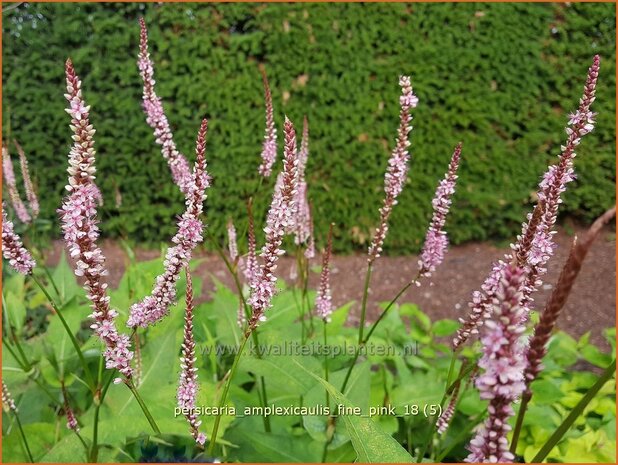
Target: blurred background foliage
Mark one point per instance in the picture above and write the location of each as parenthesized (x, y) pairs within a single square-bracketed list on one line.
[(502, 78)]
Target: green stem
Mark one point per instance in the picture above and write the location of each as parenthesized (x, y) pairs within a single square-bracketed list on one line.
[(520, 421), (23, 437), (326, 363), (69, 332), (51, 279), (576, 412), (98, 400), (361, 327), (141, 403), (223, 398), (254, 334)]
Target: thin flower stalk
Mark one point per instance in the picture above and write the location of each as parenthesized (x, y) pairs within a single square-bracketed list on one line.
[(33, 201), (72, 422), (13, 249), (78, 217), (155, 307), (436, 239), (501, 381), (323, 301), (310, 250), (156, 119), (279, 218), (188, 383), (11, 186), (535, 245), (397, 170), (269, 146)]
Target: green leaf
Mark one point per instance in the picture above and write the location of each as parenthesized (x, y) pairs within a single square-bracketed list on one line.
[(65, 281), (444, 327)]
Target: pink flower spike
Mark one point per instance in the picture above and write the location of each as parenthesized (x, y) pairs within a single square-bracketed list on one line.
[(503, 363), (13, 249), (280, 217), (8, 404), (188, 384), (323, 301), (269, 147), (156, 306), (33, 200), (156, 119), (250, 269), (78, 217), (397, 169), (436, 240), (231, 241), (11, 186)]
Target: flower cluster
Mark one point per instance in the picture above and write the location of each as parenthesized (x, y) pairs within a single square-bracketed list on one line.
[(502, 380), (535, 245), (187, 384), (445, 419), (13, 249), (303, 226), (79, 226), (269, 147), (280, 217), (72, 423), (436, 240), (7, 399), (156, 306), (323, 301), (33, 200), (397, 166), (156, 119), (11, 186)]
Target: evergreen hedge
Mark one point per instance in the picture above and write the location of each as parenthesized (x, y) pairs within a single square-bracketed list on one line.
[(499, 77)]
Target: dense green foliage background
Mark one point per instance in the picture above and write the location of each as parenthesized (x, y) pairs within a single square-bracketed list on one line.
[(499, 77)]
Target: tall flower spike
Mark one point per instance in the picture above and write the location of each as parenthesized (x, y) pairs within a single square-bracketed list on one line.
[(535, 245), (323, 301), (502, 363), (156, 306), (310, 251), (13, 249), (269, 147), (188, 384), (251, 264), (231, 240), (544, 328), (302, 226), (280, 216), (397, 169), (436, 240), (11, 186), (33, 200), (78, 217), (156, 119), (8, 404)]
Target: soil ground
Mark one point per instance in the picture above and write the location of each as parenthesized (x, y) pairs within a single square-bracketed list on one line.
[(590, 307)]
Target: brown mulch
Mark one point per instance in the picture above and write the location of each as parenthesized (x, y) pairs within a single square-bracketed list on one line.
[(591, 306)]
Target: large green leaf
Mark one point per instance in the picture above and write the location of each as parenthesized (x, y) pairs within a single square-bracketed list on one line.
[(41, 438), (65, 281), (371, 443)]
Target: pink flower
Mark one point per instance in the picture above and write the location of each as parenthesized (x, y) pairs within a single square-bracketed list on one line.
[(13, 249), (79, 226), (303, 226), (323, 301), (445, 419), (280, 218), (156, 306), (503, 362), (436, 240), (11, 186), (251, 267), (188, 384), (269, 148), (397, 170), (156, 119), (231, 240)]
